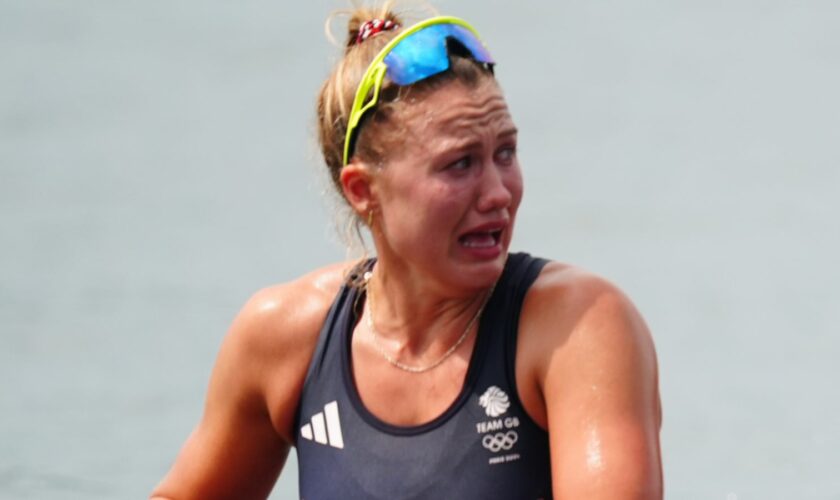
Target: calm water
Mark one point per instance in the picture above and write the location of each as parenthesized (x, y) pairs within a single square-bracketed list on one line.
[(157, 166)]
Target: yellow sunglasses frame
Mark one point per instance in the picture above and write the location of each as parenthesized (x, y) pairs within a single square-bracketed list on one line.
[(375, 75)]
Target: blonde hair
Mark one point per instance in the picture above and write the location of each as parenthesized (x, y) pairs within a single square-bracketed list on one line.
[(378, 132)]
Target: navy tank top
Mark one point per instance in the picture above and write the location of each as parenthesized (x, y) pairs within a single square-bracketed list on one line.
[(484, 446)]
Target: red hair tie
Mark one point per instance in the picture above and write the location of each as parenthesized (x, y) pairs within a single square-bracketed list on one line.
[(373, 28)]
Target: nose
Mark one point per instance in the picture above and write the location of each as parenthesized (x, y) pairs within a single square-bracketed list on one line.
[(495, 193)]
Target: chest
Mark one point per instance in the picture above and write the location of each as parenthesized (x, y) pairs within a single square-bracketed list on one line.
[(405, 398), (366, 429), (477, 443), (481, 445)]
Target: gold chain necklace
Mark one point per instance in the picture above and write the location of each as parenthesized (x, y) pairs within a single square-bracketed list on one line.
[(410, 368)]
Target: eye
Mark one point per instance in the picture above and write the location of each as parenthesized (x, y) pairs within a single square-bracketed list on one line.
[(506, 154), (460, 165)]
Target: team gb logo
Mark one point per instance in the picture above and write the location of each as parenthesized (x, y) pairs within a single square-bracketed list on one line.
[(494, 401)]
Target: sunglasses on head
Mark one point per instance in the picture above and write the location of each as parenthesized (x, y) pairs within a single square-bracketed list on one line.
[(417, 53)]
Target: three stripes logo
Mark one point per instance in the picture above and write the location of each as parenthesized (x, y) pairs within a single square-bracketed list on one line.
[(325, 427)]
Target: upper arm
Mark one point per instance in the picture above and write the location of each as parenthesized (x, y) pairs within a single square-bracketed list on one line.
[(240, 444), (601, 395)]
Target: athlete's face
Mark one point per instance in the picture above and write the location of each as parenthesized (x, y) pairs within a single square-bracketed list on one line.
[(448, 192)]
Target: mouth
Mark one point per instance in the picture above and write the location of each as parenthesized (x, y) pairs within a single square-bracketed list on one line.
[(484, 236), (481, 239)]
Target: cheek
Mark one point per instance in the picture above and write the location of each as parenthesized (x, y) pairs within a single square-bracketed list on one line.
[(515, 186), (437, 206), (424, 209)]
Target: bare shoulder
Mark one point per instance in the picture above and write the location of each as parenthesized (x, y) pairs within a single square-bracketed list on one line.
[(577, 310), (581, 331), (289, 315), (593, 363), (244, 435), (270, 343)]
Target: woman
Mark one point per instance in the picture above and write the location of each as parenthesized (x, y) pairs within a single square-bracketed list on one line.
[(446, 367)]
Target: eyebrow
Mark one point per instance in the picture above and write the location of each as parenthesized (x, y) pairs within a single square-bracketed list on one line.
[(455, 143), (508, 131)]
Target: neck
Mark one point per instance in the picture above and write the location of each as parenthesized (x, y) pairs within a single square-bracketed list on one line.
[(416, 317)]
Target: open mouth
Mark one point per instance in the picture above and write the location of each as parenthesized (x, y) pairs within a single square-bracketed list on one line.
[(481, 239)]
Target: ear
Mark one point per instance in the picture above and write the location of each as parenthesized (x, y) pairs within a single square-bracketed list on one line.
[(357, 184)]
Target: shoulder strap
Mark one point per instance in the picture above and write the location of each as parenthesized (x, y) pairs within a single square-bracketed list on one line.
[(524, 271)]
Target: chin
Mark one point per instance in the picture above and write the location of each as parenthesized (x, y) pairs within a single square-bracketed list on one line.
[(482, 270)]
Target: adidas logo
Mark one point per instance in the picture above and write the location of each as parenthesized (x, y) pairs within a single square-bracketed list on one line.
[(325, 427)]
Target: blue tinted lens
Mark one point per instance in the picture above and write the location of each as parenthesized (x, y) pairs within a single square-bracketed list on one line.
[(424, 53), (473, 44)]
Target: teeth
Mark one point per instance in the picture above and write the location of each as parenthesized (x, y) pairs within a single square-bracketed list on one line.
[(472, 244), (479, 240)]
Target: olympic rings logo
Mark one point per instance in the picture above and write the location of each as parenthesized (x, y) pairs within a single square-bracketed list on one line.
[(500, 441)]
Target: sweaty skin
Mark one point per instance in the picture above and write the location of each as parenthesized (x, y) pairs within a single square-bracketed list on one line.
[(585, 363)]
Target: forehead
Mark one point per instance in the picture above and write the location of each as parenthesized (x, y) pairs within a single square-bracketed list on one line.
[(455, 110)]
